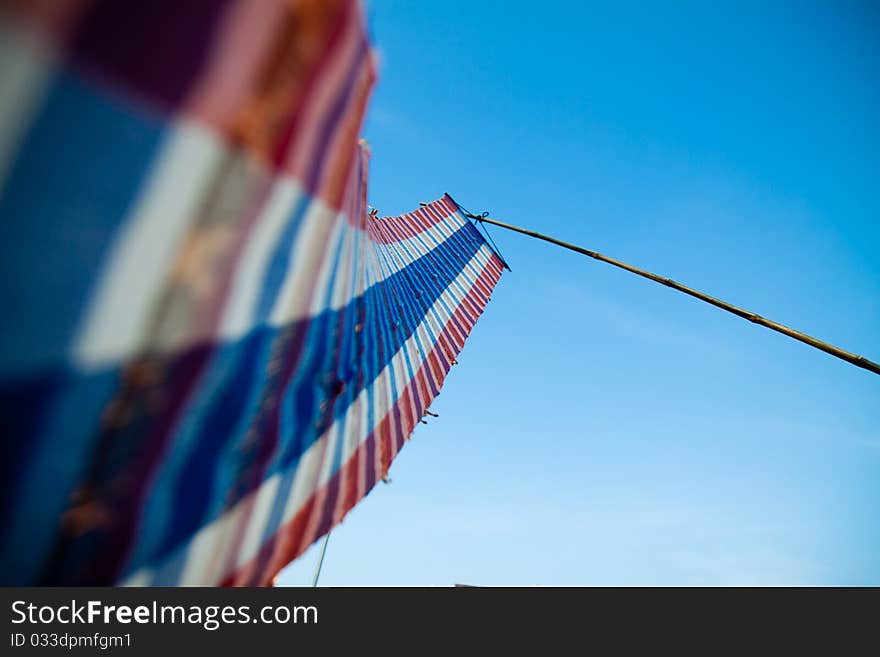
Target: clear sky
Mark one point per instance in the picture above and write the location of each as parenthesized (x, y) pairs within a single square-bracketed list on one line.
[(601, 429)]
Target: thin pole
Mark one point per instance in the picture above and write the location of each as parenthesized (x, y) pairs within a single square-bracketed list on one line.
[(320, 560), (858, 361)]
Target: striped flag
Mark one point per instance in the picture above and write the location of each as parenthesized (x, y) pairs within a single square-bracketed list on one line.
[(210, 350)]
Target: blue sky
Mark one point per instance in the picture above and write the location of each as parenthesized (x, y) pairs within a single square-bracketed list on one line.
[(601, 429)]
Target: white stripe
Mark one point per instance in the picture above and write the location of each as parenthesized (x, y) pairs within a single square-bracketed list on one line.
[(325, 233), (144, 251), (315, 244), (239, 315), (113, 324), (313, 470), (26, 65), (258, 519), (141, 578), (213, 549), (341, 294)]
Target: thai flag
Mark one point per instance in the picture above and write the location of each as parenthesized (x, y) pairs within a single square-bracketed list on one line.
[(210, 350)]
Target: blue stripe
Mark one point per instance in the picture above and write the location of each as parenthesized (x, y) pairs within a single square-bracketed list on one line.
[(59, 456), (76, 176), (69, 190)]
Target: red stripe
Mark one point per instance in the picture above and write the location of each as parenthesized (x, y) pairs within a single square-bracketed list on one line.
[(333, 75), (404, 226), (331, 182), (289, 135), (56, 21)]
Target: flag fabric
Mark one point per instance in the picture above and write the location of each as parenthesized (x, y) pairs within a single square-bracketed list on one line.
[(210, 350)]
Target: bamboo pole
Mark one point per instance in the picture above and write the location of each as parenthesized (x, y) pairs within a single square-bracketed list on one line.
[(858, 361)]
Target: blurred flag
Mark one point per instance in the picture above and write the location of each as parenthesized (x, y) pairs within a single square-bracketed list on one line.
[(210, 351)]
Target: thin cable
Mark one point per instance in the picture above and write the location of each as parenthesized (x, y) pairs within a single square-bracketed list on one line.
[(320, 560), (495, 248), (858, 361)]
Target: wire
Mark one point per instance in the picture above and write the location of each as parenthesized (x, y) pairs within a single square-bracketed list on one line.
[(495, 248), (320, 560)]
